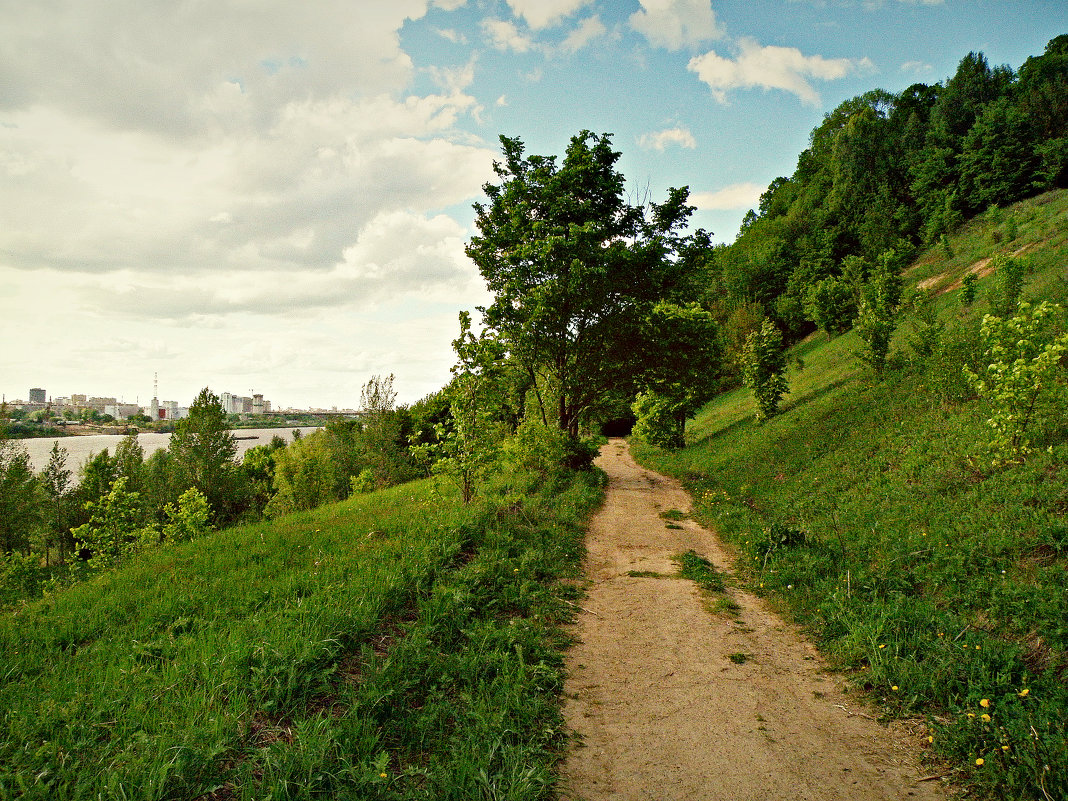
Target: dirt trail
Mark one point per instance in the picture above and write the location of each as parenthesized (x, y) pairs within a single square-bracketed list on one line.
[(665, 714)]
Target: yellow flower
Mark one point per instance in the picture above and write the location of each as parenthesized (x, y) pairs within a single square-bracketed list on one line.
[(894, 688), (1004, 748), (883, 645), (1023, 693), (930, 738), (381, 775), (971, 714), (985, 718), (979, 762), (984, 703), (515, 570)]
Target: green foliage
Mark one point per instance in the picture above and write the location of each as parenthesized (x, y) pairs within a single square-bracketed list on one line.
[(306, 475), (203, 449), (114, 529), (188, 520), (764, 371), (1008, 285), (536, 447), (878, 314), (20, 508), (21, 575), (1023, 380), (658, 420), (574, 269), (968, 289), (682, 362), (830, 304), (362, 483)]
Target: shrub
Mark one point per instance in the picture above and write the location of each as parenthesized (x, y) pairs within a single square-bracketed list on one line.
[(830, 304), (764, 367), (1023, 379), (189, 519)]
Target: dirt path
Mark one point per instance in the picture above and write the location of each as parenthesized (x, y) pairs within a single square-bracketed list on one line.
[(665, 714)]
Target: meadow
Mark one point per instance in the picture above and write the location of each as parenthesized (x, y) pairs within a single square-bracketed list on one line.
[(871, 512), (396, 645)]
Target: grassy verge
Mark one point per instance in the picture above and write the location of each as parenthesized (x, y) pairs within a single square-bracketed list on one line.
[(869, 511), (398, 645)]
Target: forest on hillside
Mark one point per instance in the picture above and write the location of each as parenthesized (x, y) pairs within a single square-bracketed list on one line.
[(888, 171)]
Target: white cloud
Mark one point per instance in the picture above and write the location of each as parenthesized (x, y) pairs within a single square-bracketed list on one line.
[(504, 35), (674, 24), (735, 196), (544, 13), (670, 136), (589, 29), (451, 35), (916, 67), (771, 67)]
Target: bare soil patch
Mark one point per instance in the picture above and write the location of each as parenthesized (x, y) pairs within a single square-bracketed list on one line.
[(672, 701)]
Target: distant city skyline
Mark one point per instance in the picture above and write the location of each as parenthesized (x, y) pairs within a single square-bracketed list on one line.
[(277, 195)]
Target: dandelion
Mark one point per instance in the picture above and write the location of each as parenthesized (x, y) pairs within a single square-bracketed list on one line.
[(984, 703), (894, 688), (980, 762), (930, 738), (1023, 693), (381, 775), (882, 645), (985, 718), (971, 714), (1004, 748), (515, 570)]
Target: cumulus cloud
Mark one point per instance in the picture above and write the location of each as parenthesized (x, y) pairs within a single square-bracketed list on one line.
[(587, 31), (674, 24), (735, 196), (544, 13), (504, 35), (659, 140), (771, 67)]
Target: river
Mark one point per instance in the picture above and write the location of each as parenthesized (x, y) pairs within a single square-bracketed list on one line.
[(79, 449)]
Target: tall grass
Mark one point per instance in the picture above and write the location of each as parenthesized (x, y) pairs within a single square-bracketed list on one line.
[(397, 645), (869, 511)]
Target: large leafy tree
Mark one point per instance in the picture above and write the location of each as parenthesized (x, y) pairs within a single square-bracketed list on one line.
[(203, 450), (573, 267)]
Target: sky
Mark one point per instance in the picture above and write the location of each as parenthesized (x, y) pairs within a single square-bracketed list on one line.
[(275, 196)]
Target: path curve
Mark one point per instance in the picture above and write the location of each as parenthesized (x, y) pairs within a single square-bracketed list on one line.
[(661, 710)]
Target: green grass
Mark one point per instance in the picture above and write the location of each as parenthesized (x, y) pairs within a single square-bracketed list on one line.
[(870, 512), (397, 645)]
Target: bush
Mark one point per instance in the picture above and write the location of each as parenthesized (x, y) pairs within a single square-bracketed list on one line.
[(659, 421), (762, 372), (830, 304), (1023, 379)]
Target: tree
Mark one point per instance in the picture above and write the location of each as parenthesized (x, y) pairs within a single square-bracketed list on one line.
[(204, 449), (878, 314), (764, 368), (20, 510), (573, 268), (55, 480), (682, 354)]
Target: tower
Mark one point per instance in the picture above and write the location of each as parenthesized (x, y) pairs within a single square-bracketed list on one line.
[(153, 410)]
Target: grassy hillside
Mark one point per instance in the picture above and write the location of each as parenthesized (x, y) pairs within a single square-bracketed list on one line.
[(398, 645), (872, 512)]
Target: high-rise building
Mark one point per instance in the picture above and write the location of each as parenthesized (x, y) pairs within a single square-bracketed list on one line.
[(38, 395)]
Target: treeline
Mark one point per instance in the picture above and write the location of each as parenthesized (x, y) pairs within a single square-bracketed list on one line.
[(889, 172), (65, 521)]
